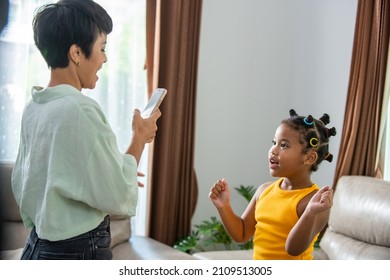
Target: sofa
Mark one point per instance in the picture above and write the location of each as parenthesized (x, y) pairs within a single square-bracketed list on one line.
[(359, 222), (358, 226), (125, 246)]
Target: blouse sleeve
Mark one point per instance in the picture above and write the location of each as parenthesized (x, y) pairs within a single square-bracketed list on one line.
[(110, 177), (111, 181)]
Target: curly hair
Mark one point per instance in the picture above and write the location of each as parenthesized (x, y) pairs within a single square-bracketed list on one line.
[(314, 134)]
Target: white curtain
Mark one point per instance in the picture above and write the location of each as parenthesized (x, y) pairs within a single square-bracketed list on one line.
[(383, 156)]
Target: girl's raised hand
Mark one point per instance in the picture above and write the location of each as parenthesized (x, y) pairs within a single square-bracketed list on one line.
[(220, 193), (321, 201)]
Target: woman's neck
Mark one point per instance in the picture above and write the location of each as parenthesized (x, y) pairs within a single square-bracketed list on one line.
[(60, 76)]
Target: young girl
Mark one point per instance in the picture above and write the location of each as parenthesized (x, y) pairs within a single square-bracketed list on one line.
[(286, 216)]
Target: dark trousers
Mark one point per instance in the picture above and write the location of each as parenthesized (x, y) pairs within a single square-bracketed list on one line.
[(92, 245)]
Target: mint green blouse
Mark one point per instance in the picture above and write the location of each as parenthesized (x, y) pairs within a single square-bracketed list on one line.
[(69, 173)]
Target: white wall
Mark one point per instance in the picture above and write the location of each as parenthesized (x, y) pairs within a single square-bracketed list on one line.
[(258, 59)]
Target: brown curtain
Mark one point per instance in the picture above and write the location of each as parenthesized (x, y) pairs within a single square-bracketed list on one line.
[(359, 140), (173, 29)]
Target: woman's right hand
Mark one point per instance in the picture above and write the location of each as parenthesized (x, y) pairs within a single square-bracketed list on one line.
[(145, 129), (220, 194)]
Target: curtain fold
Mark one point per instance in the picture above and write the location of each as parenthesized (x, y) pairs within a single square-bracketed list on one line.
[(173, 29), (362, 118)]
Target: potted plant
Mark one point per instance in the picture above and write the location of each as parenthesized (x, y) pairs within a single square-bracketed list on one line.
[(211, 234)]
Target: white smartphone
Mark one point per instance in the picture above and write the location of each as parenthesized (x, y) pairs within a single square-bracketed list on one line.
[(154, 102)]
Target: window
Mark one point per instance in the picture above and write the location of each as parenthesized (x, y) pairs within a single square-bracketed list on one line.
[(122, 81), (383, 155), (386, 138)]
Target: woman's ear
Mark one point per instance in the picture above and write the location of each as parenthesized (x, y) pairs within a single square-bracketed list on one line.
[(311, 157), (75, 54)]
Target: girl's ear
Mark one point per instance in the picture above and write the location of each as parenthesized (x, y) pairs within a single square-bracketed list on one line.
[(311, 157), (75, 54)]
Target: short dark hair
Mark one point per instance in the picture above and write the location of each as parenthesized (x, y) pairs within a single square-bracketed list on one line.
[(313, 134), (60, 25), (4, 8)]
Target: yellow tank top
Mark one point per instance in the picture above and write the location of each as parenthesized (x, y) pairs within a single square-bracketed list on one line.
[(276, 214)]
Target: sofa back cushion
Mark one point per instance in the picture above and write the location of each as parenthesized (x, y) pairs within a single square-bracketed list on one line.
[(13, 234), (359, 222), (9, 207), (120, 229)]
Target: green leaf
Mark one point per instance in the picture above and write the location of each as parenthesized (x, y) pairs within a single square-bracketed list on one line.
[(246, 191), (189, 244), (210, 233)]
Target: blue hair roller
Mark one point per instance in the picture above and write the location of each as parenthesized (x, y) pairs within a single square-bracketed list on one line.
[(307, 121)]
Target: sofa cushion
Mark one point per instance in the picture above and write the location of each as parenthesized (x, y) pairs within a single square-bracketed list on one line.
[(319, 254), (359, 223), (225, 255), (11, 254), (146, 248), (341, 247), (9, 207), (361, 209), (14, 235), (120, 229)]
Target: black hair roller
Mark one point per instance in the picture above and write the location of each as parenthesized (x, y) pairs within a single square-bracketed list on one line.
[(293, 113), (325, 119)]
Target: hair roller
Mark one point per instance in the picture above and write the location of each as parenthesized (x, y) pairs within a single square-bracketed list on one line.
[(309, 120), (328, 157), (293, 113), (332, 131), (325, 119)]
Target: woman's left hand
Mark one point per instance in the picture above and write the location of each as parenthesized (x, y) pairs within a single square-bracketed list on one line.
[(140, 174)]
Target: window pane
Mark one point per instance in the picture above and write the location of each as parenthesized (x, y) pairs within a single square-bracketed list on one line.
[(21, 66)]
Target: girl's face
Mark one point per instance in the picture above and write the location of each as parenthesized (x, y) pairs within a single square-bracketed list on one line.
[(89, 67), (286, 156)]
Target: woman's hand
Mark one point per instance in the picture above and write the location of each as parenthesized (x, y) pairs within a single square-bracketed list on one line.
[(145, 129), (140, 174)]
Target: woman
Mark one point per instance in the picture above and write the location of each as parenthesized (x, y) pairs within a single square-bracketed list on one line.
[(69, 174)]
